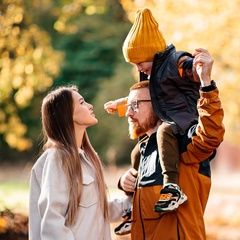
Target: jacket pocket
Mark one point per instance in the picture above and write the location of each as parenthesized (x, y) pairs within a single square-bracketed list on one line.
[(89, 193), (144, 201)]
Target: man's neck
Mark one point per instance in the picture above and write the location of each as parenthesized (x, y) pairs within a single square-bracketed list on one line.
[(154, 129)]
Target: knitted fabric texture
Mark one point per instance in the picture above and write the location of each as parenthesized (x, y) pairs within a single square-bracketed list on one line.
[(144, 39)]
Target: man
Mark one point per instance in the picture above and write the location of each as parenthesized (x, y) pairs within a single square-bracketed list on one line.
[(197, 147)]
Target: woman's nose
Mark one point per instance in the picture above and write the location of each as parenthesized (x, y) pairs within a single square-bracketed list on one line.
[(90, 106)]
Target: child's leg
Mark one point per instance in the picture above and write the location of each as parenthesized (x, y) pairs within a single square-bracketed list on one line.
[(168, 153), (171, 195)]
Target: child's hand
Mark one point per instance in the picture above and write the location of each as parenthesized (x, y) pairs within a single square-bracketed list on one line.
[(111, 107), (116, 106)]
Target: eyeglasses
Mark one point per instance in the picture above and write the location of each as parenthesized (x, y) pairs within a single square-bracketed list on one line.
[(134, 105)]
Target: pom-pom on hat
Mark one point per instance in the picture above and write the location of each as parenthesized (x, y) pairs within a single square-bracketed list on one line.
[(144, 39)]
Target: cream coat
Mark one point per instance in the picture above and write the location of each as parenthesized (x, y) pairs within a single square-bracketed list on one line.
[(49, 200)]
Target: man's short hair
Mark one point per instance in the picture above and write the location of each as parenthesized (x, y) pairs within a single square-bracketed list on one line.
[(141, 84)]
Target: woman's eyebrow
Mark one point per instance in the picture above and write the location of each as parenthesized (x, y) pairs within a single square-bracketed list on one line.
[(81, 99)]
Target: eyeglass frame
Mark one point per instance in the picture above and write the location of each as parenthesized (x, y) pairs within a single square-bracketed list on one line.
[(136, 107)]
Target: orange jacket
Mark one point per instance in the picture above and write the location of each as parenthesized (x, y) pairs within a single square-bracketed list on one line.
[(197, 147)]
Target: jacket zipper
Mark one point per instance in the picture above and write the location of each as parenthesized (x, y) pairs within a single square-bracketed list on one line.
[(140, 212)]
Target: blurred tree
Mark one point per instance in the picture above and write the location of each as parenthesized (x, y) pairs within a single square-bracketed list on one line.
[(89, 34), (91, 47), (110, 135), (81, 30), (28, 64), (92, 50), (90, 54)]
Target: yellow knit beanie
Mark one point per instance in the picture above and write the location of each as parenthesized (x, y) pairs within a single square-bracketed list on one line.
[(144, 39)]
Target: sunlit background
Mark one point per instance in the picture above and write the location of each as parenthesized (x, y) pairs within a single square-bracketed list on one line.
[(47, 43)]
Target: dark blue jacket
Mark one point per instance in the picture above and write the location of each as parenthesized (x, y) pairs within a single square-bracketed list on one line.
[(174, 97)]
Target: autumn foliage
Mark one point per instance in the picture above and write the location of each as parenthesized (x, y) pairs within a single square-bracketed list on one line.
[(49, 42), (13, 226)]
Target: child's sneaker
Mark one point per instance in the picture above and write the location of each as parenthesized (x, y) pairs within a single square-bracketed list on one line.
[(125, 227), (171, 196)]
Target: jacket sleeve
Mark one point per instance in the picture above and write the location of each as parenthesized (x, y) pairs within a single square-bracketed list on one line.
[(209, 130), (117, 208), (120, 106)]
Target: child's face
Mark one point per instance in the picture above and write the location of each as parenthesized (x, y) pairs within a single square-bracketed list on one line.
[(144, 67)]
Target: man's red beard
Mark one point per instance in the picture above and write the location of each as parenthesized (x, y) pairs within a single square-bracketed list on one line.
[(136, 131)]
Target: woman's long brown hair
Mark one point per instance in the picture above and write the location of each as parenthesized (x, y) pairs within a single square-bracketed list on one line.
[(58, 130)]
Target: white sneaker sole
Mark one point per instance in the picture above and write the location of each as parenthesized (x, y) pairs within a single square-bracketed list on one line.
[(176, 205)]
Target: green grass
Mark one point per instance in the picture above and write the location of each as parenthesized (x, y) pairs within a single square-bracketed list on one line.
[(14, 196)]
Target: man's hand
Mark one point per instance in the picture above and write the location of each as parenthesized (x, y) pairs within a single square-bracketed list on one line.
[(128, 180), (203, 63)]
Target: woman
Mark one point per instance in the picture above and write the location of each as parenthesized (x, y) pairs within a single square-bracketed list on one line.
[(68, 197)]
